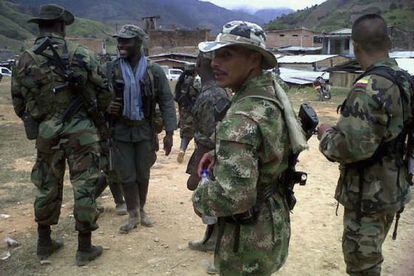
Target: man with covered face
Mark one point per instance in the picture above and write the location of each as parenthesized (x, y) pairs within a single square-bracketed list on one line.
[(253, 142), (140, 86)]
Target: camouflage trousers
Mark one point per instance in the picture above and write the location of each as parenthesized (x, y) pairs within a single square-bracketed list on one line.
[(81, 151), (262, 246), (185, 123), (362, 242)]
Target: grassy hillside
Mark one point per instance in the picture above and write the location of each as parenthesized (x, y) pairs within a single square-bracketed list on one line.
[(335, 14), (14, 29), (178, 13)]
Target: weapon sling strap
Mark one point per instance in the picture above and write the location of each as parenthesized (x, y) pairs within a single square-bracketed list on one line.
[(70, 53)]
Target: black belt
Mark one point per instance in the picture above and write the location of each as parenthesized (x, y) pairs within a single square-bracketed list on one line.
[(250, 216), (131, 123)]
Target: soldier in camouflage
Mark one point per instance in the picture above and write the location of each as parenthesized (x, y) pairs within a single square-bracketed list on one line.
[(368, 143), (186, 91), (60, 137), (209, 108), (143, 86), (253, 142)]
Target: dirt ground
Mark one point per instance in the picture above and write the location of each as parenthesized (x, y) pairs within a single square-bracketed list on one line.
[(162, 250)]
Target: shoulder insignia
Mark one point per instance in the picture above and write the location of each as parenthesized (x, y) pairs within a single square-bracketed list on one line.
[(361, 85)]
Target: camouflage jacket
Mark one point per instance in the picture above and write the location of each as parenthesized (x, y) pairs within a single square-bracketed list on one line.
[(158, 95), (34, 79), (371, 115), (252, 148), (187, 92), (206, 111)]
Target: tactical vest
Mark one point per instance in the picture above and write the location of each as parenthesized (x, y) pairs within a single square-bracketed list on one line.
[(148, 87), (42, 102)]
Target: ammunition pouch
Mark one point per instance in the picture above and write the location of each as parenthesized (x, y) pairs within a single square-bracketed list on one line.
[(31, 126)]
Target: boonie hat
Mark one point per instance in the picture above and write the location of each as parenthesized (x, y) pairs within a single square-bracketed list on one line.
[(53, 12), (130, 31), (245, 34)]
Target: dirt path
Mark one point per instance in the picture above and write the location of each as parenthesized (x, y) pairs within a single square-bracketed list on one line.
[(162, 250)]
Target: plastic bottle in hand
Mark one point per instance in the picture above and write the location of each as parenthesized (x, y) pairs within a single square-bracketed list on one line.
[(209, 220)]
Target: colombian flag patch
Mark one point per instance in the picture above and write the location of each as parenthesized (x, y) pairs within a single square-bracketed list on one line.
[(362, 83)]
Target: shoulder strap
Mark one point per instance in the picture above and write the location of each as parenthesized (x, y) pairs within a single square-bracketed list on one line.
[(35, 57), (37, 60), (151, 77), (264, 96)]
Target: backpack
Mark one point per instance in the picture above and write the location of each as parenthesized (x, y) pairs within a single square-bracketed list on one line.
[(401, 78)]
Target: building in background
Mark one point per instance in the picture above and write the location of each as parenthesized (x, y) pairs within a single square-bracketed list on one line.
[(337, 43), (300, 37)]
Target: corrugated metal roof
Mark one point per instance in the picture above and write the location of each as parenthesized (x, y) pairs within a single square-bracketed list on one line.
[(342, 31), (304, 58), (298, 48), (402, 54), (174, 54), (406, 64), (300, 77), (172, 60)]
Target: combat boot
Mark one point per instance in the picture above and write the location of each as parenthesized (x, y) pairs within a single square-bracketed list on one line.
[(180, 156), (208, 243), (121, 209), (145, 219), (211, 269), (131, 223), (45, 245), (86, 251)]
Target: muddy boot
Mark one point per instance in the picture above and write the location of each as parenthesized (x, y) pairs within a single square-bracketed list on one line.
[(183, 147), (45, 245), (86, 251), (180, 156), (131, 223), (131, 195), (208, 243), (121, 209), (145, 219), (211, 269)]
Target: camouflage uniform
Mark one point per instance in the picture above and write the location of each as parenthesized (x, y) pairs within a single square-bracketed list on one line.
[(252, 147), (75, 140), (205, 113), (190, 89), (372, 192)]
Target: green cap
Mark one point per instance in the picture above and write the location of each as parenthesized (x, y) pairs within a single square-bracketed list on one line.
[(131, 31), (52, 12)]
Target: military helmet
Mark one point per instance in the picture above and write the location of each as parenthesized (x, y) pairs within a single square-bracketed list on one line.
[(53, 12), (245, 34)]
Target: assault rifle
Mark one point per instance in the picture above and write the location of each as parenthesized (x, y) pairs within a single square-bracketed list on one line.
[(309, 121), (71, 80), (75, 82)]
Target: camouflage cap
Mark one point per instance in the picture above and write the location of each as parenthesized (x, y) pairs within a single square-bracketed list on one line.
[(243, 33), (52, 12), (131, 31)]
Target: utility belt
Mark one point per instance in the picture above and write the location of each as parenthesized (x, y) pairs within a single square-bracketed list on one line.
[(131, 123), (251, 215)]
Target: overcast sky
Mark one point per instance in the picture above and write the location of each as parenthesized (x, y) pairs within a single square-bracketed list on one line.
[(260, 4)]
